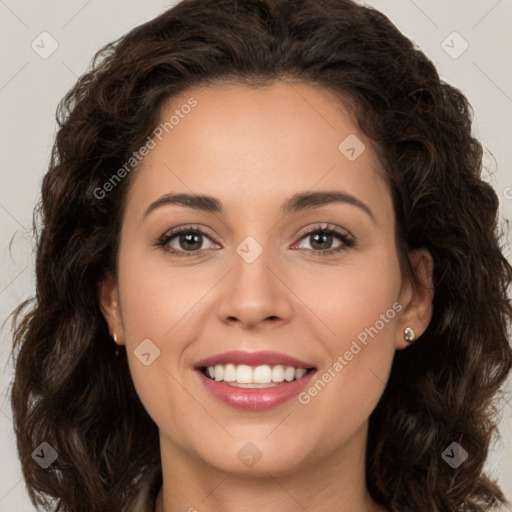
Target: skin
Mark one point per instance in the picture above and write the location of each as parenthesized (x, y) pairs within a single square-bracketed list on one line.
[(252, 149)]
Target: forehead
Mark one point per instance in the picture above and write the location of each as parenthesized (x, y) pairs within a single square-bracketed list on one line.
[(253, 145)]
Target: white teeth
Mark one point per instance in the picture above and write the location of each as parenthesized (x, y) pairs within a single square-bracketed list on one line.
[(243, 374), (259, 376), (219, 372), (278, 373), (236, 384), (262, 374), (229, 373), (300, 372), (289, 374)]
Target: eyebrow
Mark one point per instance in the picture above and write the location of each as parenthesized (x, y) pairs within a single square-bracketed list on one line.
[(297, 202)]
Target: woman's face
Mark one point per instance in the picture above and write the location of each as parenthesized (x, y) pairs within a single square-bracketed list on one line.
[(262, 277)]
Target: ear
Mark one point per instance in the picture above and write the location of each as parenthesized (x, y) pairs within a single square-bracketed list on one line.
[(416, 297), (108, 297)]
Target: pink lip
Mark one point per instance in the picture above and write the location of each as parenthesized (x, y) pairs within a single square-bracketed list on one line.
[(253, 359), (255, 399)]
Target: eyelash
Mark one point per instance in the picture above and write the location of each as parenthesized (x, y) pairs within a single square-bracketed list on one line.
[(348, 242)]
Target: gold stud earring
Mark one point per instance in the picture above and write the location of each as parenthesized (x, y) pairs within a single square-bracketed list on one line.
[(409, 335), (117, 350)]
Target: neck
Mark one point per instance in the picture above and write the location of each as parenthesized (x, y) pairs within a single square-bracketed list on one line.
[(335, 482)]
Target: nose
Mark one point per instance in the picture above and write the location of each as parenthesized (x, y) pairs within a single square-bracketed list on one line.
[(255, 294)]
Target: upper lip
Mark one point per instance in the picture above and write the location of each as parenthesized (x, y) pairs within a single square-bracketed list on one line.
[(253, 359)]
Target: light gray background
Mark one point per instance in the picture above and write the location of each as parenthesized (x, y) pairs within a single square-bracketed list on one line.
[(30, 88)]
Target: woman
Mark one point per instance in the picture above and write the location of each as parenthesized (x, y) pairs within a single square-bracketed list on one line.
[(186, 351)]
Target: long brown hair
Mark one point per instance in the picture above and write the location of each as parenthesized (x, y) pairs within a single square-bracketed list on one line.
[(71, 391)]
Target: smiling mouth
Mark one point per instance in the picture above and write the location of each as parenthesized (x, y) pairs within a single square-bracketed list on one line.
[(261, 376)]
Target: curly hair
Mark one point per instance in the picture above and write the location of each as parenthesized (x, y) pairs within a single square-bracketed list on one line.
[(70, 389)]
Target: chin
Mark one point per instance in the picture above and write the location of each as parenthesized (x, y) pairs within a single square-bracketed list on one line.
[(256, 457)]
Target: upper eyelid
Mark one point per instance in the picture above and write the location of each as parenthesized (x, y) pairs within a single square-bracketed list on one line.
[(328, 227)]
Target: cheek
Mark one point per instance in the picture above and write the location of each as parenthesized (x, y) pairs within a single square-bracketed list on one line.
[(154, 307), (367, 306), (359, 305), (155, 297), (356, 299)]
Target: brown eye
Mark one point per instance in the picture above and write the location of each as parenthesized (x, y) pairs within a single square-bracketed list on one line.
[(183, 240), (321, 239)]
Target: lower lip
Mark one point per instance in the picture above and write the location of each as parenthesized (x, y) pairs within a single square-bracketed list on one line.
[(255, 399)]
